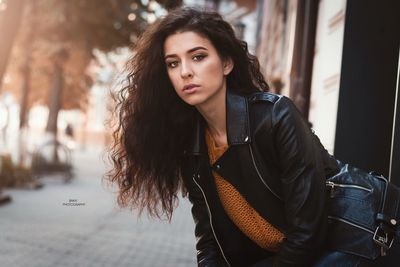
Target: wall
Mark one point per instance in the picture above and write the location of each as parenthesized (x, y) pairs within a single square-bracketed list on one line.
[(327, 70)]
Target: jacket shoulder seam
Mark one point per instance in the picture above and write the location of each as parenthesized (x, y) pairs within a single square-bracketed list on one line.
[(264, 97)]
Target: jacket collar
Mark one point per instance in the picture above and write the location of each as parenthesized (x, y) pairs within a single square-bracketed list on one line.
[(237, 124)]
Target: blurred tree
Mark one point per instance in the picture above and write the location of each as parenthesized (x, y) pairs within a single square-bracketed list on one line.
[(25, 65), (10, 18), (54, 47), (25, 72), (170, 4), (78, 26)]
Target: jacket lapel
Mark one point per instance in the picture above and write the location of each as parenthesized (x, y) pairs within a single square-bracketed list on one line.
[(237, 124), (237, 119)]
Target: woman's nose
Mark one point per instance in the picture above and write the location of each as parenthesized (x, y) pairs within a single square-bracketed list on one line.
[(186, 70)]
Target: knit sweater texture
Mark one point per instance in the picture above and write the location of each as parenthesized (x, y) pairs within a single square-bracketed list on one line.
[(244, 216)]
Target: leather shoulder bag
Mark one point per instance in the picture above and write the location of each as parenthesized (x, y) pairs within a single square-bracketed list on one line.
[(363, 212)]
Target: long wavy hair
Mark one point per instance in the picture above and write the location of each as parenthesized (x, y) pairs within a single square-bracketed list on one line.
[(154, 125)]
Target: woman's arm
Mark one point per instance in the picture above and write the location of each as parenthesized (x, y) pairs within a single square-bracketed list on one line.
[(303, 180)]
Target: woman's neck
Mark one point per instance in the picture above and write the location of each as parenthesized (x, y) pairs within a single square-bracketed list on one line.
[(215, 116)]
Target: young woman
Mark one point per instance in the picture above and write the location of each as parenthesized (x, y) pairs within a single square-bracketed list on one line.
[(195, 118)]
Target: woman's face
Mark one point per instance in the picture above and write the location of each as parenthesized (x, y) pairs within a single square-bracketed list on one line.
[(195, 69)]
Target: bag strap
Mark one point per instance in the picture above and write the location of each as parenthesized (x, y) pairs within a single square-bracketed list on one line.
[(387, 217)]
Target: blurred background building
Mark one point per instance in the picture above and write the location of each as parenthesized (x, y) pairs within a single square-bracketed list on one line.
[(339, 62)]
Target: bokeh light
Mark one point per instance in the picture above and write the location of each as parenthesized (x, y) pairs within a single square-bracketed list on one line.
[(131, 17), (3, 6)]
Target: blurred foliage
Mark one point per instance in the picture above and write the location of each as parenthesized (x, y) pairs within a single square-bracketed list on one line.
[(12, 175), (76, 27)]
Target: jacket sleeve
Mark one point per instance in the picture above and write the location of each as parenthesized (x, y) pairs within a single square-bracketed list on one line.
[(208, 253), (303, 181)]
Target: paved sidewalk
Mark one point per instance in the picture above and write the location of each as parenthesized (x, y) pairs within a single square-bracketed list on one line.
[(78, 224)]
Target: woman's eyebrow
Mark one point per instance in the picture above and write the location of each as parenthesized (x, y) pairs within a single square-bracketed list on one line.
[(196, 48), (189, 51)]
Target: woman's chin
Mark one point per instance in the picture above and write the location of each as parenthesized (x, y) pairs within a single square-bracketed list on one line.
[(193, 101)]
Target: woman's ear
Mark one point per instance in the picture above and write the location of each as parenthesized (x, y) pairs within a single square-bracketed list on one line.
[(228, 66)]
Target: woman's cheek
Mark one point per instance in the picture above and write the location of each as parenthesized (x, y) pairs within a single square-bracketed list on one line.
[(214, 70)]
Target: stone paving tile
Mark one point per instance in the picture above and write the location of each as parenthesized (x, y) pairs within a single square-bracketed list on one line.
[(37, 230)]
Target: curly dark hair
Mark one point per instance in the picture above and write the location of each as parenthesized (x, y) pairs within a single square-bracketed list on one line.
[(154, 124)]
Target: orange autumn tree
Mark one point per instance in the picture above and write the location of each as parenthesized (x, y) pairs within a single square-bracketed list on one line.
[(54, 48)]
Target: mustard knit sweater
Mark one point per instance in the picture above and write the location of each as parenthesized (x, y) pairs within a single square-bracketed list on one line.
[(245, 217)]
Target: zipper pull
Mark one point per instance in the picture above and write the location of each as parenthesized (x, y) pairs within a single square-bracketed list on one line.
[(383, 252), (332, 186), (196, 176)]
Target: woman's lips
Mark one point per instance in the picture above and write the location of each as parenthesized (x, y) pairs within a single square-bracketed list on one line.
[(190, 88)]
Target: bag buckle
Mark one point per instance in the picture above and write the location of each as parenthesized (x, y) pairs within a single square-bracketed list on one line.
[(383, 238)]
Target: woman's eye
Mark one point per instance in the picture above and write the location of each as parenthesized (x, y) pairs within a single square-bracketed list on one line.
[(172, 64), (198, 57)]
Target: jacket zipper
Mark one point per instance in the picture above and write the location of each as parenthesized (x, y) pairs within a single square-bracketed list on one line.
[(209, 213), (332, 185), (259, 174), (352, 224)]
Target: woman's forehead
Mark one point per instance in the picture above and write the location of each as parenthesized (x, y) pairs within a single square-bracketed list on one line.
[(184, 42)]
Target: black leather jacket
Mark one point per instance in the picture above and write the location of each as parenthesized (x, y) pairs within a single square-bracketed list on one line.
[(278, 165)]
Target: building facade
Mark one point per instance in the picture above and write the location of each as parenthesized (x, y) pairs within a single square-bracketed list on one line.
[(339, 62)]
